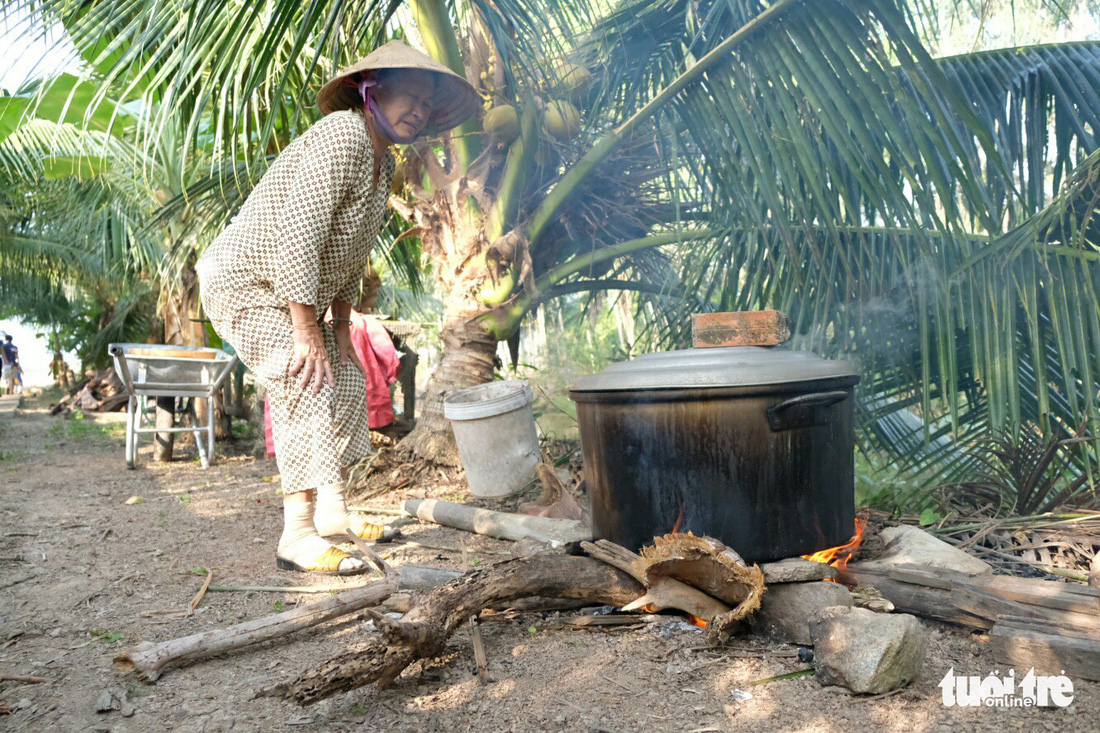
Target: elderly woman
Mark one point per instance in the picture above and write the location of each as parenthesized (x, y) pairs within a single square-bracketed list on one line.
[(297, 249)]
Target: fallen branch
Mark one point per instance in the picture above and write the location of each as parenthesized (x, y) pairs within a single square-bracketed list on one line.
[(502, 525), (481, 659), (271, 589), (24, 680), (379, 510), (448, 548), (149, 659), (202, 592), (423, 632)]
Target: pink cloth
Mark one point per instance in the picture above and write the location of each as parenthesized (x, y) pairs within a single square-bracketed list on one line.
[(376, 352), (379, 358), (269, 435)]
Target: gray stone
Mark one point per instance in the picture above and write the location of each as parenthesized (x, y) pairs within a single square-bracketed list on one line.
[(796, 570), (867, 652), (906, 545), (786, 609), (106, 702)]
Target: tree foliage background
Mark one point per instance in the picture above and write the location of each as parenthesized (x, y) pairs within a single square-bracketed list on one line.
[(928, 215)]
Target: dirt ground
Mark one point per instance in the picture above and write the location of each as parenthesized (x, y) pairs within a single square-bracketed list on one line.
[(82, 574)]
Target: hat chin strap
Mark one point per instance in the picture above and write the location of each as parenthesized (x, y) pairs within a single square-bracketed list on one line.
[(380, 120)]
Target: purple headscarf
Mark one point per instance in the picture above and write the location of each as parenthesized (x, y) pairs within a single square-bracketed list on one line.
[(379, 118)]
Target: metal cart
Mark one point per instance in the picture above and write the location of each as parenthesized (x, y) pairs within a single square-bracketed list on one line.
[(164, 370)]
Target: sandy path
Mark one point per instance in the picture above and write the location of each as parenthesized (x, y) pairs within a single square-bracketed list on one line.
[(81, 569)]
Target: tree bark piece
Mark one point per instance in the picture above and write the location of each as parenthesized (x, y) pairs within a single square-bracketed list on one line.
[(423, 632), (740, 328), (502, 525), (664, 592), (555, 502), (423, 577)]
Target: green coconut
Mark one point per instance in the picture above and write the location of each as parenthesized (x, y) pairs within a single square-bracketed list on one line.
[(562, 119), (502, 122), (574, 81)]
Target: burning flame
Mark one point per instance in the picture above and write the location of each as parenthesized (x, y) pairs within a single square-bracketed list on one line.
[(838, 557), (679, 519), (696, 621)]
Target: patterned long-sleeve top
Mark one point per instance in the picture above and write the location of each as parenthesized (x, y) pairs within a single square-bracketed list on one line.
[(306, 230)]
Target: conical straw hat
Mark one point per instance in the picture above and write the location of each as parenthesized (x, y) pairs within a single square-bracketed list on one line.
[(455, 99)]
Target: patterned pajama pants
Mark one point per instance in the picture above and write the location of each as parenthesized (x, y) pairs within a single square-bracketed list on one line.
[(315, 434)]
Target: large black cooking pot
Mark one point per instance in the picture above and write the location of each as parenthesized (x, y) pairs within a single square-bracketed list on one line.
[(750, 445)]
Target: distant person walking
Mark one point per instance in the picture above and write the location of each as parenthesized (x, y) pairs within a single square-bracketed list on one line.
[(11, 376)]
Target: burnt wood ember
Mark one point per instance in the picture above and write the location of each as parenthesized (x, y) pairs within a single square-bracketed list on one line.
[(697, 575)]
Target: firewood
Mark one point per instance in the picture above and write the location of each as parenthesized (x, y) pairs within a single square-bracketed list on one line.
[(977, 601), (665, 592), (555, 502), (421, 577), (422, 633), (1046, 593), (611, 619), (501, 525), (113, 403), (1052, 625), (1035, 592), (1036, 646), (920, 600), (982, 602), (698, 575), (481, 659), (150, 659), (741, 328)]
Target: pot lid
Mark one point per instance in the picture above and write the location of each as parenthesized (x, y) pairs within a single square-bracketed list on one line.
[(730, 366)]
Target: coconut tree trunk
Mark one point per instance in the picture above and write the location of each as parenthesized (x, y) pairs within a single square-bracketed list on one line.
[(180, 312), (469, 356)]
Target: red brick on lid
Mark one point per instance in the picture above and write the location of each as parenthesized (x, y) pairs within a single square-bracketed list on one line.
[(740, 328)]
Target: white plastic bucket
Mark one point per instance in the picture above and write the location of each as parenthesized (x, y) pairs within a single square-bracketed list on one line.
[(494, 427)]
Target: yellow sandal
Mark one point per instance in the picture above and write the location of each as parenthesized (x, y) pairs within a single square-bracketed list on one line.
[(373, 533), (328, 563)]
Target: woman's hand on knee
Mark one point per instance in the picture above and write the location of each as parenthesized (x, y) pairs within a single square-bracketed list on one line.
[(310, 361)]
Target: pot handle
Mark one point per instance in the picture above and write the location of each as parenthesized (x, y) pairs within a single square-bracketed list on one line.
[(801, 411)]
